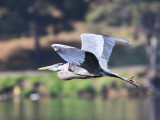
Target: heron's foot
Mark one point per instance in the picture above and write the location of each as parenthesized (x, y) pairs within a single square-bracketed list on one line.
[(132, 81)]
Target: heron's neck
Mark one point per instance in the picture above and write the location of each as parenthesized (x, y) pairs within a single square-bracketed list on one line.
[(60, 68)]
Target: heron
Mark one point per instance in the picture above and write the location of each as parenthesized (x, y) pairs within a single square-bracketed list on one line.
[(91, 61)]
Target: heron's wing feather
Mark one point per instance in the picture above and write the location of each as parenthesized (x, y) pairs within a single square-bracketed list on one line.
[(72, 55), (100, 45)]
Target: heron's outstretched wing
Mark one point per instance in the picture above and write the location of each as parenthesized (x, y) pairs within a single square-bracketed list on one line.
[(100, 45), (70, 54), (77, 56)]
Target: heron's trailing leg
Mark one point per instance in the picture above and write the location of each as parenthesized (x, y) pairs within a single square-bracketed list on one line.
[(129, 80)]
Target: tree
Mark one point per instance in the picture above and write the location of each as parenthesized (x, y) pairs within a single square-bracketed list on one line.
[(20, 17), (149, 24)]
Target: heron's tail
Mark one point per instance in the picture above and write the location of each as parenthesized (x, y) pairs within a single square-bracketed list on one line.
[(129, 80)]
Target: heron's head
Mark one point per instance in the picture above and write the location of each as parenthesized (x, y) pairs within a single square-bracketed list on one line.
[(55, 67)]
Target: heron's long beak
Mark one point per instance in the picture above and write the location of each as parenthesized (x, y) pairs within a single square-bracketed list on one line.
[(43, 68)]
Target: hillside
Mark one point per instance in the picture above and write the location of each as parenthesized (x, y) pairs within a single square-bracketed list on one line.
[(17, 51)]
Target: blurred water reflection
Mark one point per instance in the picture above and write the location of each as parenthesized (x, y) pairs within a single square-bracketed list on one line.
[(81, 109)]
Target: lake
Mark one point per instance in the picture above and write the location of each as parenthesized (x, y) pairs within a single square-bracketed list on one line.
[(146, 108)]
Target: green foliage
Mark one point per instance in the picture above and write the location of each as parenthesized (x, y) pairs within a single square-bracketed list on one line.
[(26, 92), (111, 14), (108, 83), (73, 87), (7, 82), (52, 83), (35, 79), (119, 14), (85, 85), (70, 88), (56, 86)]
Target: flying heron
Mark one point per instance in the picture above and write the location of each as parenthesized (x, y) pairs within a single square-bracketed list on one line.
[(91, 61)]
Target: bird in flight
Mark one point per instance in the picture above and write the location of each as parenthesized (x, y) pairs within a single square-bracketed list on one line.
[(91, 61)]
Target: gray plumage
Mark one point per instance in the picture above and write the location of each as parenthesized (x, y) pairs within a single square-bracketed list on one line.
[(101, 46), (90, 61), (70, 54)]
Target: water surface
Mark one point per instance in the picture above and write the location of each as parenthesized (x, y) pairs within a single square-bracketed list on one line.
[(81, 109)]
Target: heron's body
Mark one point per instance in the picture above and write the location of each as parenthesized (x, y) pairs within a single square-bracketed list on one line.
[(90, 61), (73, 72)]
